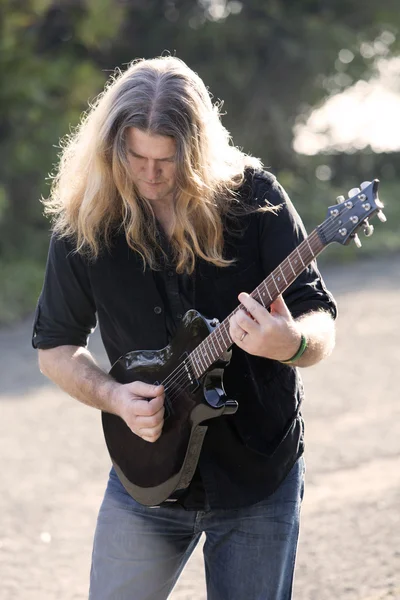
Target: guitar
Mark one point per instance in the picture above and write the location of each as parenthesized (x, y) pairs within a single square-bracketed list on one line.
[(191, 367)]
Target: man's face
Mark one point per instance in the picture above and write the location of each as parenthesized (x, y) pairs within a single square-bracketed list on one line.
[(152, 163)]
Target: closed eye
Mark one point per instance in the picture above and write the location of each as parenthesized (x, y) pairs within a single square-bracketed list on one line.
[(168, 159)]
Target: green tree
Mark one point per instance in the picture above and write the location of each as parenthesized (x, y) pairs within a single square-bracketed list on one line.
[(48, 72)]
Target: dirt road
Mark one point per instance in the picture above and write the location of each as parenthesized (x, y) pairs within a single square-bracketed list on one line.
[(54, 462)]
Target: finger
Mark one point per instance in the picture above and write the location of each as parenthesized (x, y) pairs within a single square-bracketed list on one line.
[(279, 307), (151, 437), (238, 336), (255, 309), (145, 390), (242, 319), (235, 330), (148, 408), (245, 322), (149, 421), (151, 434)]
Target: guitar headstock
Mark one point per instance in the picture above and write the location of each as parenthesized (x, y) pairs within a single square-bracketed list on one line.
[(349, 215)]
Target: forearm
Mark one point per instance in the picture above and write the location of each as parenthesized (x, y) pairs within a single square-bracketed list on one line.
[(319, 330), (74, 370)]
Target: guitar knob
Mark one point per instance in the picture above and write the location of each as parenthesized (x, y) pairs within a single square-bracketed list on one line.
[(368, 229), (357, 240), (381, 216), (354, 192), (340, 199), (365, 184)]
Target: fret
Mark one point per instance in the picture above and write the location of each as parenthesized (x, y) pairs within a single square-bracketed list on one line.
[(225, 338), (205, 355), (284, 278), (273, 279), (189, 368), (215, 351), (215, 333), (208, 353), (205, 352), (196, 371), (209, 341), (260, 297), (264, 283), (291, 266), (279, 278), (200, 358), (220, 339), (300, 257), (195, 361), (225, 330), (295, 261)]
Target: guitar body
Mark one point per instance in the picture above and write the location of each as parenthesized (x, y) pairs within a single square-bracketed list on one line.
[(152, 472)]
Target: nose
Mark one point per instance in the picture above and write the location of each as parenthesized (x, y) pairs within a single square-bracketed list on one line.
[(152, 171)]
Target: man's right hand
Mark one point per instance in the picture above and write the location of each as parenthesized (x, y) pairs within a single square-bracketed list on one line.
[(141, 406)]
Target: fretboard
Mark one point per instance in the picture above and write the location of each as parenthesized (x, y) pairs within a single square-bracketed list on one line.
[(215, 344)]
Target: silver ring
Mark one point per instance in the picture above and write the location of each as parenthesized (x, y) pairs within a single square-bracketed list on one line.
[(243, 336)]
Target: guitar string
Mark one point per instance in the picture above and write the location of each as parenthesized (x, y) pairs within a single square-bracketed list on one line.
[(179, 374)]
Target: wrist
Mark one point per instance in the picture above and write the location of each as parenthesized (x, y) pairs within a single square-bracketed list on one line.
[(299, 352), (110, 396)]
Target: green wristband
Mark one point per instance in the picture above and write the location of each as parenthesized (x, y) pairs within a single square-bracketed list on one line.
[(300, 351)]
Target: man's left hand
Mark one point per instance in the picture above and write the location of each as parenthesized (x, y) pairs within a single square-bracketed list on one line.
[(273, 334)]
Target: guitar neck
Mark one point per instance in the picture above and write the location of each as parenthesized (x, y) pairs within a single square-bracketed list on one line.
[(215, 344)]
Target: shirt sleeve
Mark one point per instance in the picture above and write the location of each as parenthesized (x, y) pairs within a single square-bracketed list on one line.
[(280, 234), (65, 313)]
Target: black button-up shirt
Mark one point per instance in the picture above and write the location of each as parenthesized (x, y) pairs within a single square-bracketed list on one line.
[(245, 456)]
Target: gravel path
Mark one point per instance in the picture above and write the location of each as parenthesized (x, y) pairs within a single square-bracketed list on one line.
[(55, 462)]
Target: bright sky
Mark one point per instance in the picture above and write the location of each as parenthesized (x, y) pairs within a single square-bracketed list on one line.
[(367, 113)]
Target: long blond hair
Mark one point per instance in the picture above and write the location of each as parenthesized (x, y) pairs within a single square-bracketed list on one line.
[(92, 192)]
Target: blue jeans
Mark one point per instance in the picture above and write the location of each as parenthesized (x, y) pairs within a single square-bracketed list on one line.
[(249, 553)]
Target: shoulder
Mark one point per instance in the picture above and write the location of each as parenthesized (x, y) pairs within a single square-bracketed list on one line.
[(64, 256), (67, 247), (63, 247), (261, 188), (62, 243)]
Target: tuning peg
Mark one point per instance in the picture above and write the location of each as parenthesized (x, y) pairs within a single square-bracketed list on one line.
[(365, 184), (354, 192), (340, 199), (381, 216), (357, 240), (368, 229)]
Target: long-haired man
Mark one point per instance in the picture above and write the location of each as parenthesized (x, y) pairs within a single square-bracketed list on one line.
[(156, 212)]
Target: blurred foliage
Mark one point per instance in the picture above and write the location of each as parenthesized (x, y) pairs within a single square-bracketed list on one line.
[(271, 61), (312, 198), (21, 282)]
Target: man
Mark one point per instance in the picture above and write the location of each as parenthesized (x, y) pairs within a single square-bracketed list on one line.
[(155, 212)]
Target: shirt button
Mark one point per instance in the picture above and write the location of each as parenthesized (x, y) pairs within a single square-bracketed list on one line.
[(171, 273), (179, 316), (158, 310)]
